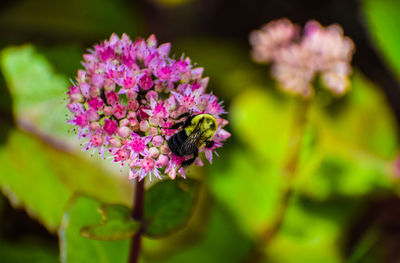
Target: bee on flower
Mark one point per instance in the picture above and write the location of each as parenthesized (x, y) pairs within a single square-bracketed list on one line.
[(128, 99)]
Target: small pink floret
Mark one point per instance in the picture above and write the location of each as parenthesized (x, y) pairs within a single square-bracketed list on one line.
[(110, 126), (96, 140)]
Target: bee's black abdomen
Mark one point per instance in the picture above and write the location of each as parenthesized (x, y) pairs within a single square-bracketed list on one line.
[(176, 141), (172, 145), (181, 137)]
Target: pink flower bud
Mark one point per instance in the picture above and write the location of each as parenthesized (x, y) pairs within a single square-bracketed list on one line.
[(153, 131), (131, 115), (81, 76), (84, 87), (77, 97), (154, 152), (124, 132), (152, 95), (98, 80), (75, 108), (108, 111), (109, 85), (155, 121), (165, 149), (124, 122), (94, 91), (75, 94), (92, 115), (158, 140), (94, 126), (133, 105), (162, 160), (158, 87), (144, 126), (131, 94), (134, 124), (171, 103)]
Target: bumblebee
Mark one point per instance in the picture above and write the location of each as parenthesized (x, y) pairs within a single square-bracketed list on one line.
[(198, 131)]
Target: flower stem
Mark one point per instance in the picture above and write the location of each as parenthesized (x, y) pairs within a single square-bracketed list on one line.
[(289, 170), (137, 214)]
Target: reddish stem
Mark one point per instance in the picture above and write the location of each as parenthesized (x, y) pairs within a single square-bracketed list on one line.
[(137, 214)]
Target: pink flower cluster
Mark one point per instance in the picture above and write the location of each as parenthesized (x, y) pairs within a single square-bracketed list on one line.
[(296, 58), (127, 97)]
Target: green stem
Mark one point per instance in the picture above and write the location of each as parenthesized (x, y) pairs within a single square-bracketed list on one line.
[(137, 214), (289, 170)]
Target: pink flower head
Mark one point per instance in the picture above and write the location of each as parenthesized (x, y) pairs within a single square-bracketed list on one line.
[(127, 96), (296, 60)]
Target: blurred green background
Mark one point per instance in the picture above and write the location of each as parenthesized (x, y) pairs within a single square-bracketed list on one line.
[(345, 206)]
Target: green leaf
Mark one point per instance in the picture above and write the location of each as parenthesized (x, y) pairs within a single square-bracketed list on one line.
[(221, 242), (187, 236), (27, 251), (28, 182), (262, 122), (116, 224), (168, 205), (249, 186), (83, 211), (383, 22), (38, 93), (347, 155), (311, 231), (41, 178)]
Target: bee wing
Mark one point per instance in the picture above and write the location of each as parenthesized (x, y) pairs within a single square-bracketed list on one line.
[(192, 143)]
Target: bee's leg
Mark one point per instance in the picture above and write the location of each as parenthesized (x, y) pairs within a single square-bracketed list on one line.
[(191, 160), (209, 144), (186, 114), (175, 126), (188, 121), (182, 123)]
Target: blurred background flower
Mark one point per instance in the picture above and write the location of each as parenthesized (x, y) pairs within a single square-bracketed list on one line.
[(296, 61), (345, 206)]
